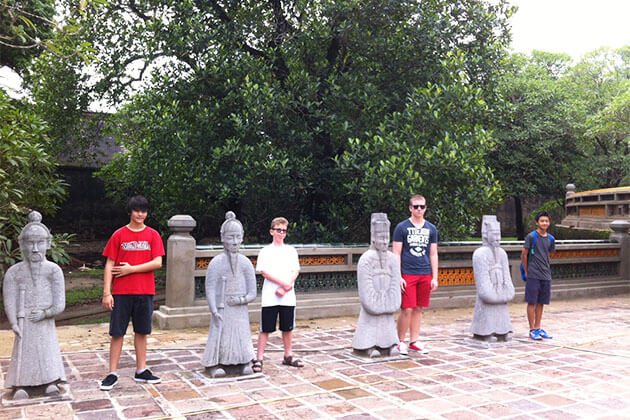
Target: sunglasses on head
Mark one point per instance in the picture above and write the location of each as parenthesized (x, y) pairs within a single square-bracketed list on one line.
[(419, 206)]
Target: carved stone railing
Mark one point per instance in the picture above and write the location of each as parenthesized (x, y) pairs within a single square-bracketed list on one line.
[(326, 268)]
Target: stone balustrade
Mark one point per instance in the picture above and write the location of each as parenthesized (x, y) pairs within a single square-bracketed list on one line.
[(328, 273)]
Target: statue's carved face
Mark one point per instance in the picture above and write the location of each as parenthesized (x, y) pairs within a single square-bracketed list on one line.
[(380, 240), (494, 237), (34, 244), (232, 238)]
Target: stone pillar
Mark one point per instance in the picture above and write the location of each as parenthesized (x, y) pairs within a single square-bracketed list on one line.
[(570, 189), (620, 234), (180, 262)]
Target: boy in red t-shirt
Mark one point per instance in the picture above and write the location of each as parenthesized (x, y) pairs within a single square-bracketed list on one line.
[(133, 253)]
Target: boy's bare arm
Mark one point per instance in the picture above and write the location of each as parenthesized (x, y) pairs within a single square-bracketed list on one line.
[(124, 269), (524, 259), (294, 276), (278, 281), (433, 256), (108, 299), (397, 250)]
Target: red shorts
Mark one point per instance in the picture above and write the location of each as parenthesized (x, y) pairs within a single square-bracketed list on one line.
[(418, 290)]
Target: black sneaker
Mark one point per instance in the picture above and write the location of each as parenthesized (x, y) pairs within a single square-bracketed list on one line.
[(146, 376), (109, 382)]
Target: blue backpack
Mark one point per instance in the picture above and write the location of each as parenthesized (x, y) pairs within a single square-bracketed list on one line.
[(531, 252)]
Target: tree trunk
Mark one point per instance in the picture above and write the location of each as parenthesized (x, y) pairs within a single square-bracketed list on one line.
[(518, 217)]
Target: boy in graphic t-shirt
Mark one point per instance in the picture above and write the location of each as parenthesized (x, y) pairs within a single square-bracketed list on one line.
[(415, 244), (279, 265), (133, 253)]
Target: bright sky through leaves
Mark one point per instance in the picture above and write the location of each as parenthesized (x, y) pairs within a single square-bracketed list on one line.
[(574, 27)]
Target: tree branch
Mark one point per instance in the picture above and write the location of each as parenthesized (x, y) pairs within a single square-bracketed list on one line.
[(35, 44), (601, 144), (25, 13), (134, 9), (146, 62), (221, 14), (282, 26), (226, 20)]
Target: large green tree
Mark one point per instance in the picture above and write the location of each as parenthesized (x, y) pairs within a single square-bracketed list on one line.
[(537, 150), (436, 146), (250, 105), (28, 177), (600, 86), (28, 154)]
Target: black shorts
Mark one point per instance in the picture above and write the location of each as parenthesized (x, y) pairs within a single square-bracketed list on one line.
[(269, 315), (538, 291), (138, 308)]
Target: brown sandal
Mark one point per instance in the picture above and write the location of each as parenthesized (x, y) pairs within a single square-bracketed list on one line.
[(257, 366), (290, 361)]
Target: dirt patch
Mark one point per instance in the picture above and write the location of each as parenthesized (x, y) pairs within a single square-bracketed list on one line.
[(89, 252)]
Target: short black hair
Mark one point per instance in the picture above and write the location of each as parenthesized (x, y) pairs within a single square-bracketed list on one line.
[(542, 214), (138, 202)]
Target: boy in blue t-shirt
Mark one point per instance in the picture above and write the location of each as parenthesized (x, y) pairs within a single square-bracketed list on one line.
[(538, 273)]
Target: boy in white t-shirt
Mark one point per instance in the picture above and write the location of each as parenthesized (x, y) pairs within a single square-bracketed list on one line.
[(279, 265)]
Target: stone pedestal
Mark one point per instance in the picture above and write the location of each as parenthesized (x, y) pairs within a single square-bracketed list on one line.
[(620, 234), (180, 276), (180, 262)]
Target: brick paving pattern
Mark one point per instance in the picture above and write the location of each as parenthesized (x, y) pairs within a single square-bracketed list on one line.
[(584, 372)]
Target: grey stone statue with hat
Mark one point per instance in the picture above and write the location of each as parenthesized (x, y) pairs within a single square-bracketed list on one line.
[(494, 285), (230, 286), (378, 277), (34, 292)]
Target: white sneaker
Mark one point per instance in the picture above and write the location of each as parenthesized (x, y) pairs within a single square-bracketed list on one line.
[(415, 346), (402, 348)]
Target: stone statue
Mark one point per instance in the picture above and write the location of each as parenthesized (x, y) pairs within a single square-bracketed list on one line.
[(494, 285), (230, 286), (378, 274), (34, 292)]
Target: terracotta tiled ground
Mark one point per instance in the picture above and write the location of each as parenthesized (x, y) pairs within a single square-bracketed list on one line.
[(584, 372)]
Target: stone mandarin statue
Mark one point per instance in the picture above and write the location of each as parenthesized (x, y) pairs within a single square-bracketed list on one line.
[(34, 292), (494, 285), (230, 286), (378, 275)]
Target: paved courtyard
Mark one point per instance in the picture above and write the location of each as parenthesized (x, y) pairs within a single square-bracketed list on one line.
[(584, 372)]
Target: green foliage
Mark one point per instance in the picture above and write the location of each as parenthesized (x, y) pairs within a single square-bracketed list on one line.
[(27, 28), (435, 147), (254, 104), (600, 107), (567, 124), (555, 208), (78, 296), (536, 151), (58, 98), (28, 177), (59, 245), (48, 49), (22, 23)]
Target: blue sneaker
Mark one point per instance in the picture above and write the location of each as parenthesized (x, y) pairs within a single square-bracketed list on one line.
[(535, 335), (544, 334)]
